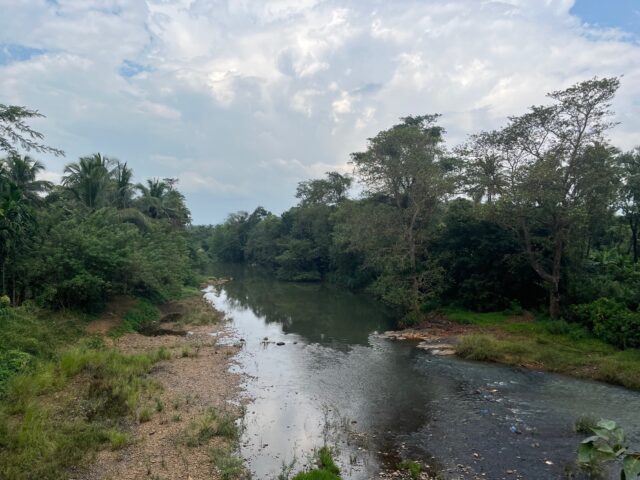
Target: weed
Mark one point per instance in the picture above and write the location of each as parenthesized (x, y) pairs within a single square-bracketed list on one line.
[(585, 424), (414, 468), (144, 415), (479, 347), (228, 465), (211, 424), (117, 440), (159, 405)]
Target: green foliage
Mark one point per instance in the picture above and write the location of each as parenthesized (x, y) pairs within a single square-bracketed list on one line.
[(479, 347), (229, 466), (5, 301), (28, 334), (211, 424), (608, 444), (414, 468), (327, 469), (575, 352), (143, 317), (42, 435), (585, 424), (611, 321)]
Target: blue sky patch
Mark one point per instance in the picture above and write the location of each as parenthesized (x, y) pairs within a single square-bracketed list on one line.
[(10, 53), (129, 69), (621, 14)]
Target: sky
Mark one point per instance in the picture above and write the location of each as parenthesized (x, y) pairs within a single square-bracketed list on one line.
[(242, 99)]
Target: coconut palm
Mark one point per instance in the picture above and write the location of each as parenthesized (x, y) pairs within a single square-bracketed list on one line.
[(89, 179), (159, 199), (23, 171), (123, 188)]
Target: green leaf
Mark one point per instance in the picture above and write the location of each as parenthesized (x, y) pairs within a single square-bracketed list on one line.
[(591, 439), (585, 453), (631, 466), (607, 424)]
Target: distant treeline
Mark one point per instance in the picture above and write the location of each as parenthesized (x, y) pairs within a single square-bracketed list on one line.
[(542, 214)]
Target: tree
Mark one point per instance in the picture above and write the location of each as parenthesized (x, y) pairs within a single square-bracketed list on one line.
[(544, 157), (14, 131), (327, 191), (405, 167), (630, 196), (484, 175), (123, 188), (159, 199), (89, 179), (23, 171)]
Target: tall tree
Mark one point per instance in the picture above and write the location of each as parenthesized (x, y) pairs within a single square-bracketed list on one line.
[(544, 156), (405, 166), (630, 196), (160, 199), (326, 191), (123, 188), (89, 179), (23, 172)]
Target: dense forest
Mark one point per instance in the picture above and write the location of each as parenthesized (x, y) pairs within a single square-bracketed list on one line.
[(95, 235), (542, 214)]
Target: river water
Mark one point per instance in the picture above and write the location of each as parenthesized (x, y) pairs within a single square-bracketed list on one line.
[(377, 400)]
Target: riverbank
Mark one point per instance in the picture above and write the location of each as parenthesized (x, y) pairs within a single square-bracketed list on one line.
[(100, 401), (524, 341)]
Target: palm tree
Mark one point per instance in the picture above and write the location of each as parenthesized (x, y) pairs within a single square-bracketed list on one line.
[(159, 199), (89, 179), (123, 194), (23, 171)]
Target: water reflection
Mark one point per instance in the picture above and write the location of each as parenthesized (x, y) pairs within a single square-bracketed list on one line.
[(320, 313), (490, 419)]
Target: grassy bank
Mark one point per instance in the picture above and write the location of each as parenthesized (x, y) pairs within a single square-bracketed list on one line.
[(551, 345), (65, 394)]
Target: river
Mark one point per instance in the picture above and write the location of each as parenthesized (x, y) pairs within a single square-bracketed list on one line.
[(375, 400)]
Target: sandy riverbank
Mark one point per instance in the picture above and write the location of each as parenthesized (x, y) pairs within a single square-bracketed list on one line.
[(191, 384)]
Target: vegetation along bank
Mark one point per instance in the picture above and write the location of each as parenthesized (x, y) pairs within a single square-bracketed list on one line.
[(540, 216)]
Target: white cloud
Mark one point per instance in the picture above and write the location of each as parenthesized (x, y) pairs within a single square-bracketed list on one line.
[(241, 99)]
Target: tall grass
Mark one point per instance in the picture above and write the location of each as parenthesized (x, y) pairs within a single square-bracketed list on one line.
[(64, 402)]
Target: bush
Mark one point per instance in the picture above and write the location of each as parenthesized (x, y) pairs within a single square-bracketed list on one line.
[(5, 301), (610, 321)]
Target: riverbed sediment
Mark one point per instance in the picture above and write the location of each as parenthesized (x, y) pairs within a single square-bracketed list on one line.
[(193, 386)]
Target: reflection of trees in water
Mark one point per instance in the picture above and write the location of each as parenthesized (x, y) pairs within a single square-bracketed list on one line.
[(318, 312)]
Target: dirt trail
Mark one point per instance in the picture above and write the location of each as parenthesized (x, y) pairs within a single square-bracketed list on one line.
[(194, 380)]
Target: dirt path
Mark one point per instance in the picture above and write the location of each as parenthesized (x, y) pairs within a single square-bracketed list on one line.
[(192, 383)]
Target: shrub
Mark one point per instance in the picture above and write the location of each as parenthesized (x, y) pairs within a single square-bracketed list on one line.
[(5, 301), (610, 321)]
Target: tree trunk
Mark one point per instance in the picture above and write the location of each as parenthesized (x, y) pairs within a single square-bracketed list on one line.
[(634, 239), (554, 299), (551, 279)]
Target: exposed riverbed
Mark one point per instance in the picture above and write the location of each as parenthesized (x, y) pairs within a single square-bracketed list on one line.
[(335, 379)]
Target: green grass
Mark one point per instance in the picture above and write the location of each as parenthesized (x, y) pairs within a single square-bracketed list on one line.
[(327, 468), (63, 394), (552, 345), (414, 468), (51, 417), (28, 334), (229, 466), (143, 317), (211, 424)]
